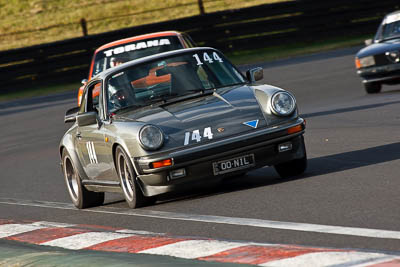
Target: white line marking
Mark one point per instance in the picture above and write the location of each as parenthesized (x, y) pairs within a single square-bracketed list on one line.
[(192, 249), (15, 229), (136, 232), (53, 224), (305, 227), (385, 260), (323, 259), (84, 240)]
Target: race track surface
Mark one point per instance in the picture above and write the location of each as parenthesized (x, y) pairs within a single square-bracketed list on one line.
[(348, 199)]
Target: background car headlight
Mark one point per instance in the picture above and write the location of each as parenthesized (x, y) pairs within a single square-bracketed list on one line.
[(151, 137), (283, 103), (367, 61)]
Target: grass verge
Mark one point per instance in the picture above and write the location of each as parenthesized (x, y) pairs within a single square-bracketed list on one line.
[(30, 22)]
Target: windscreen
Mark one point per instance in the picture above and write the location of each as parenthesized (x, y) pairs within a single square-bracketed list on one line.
[(391, 26), (391, 30), (170, 77), (119, 54)]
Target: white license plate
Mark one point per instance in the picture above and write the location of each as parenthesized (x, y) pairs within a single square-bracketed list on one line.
[(234, 164)]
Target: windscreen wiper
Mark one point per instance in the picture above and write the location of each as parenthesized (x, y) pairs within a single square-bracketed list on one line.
[(126, 108), (390, 38), (161, 98), (188, 94)]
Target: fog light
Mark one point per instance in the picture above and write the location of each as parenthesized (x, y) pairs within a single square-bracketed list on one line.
[(285, 147), (177, 173)]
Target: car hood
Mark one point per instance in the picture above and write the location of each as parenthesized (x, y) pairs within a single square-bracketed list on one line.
[(224, 112), (379, 48)]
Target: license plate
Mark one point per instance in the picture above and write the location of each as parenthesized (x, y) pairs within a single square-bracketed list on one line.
[(235, 164)]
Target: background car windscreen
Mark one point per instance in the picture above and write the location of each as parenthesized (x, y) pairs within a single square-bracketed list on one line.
[(391, 30), (109, 57)]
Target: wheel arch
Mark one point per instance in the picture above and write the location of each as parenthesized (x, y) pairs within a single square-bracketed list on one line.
[(67, 145), (124, 147)]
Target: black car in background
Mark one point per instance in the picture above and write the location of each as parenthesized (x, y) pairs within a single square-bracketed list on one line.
[(379, 62)]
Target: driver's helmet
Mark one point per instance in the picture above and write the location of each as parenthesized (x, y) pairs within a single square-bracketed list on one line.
[(118, 95), (115, 61)]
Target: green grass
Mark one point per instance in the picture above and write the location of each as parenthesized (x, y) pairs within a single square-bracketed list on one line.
[(244, 57), (31, 22)]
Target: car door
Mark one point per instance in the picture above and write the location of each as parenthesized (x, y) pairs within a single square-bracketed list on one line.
[(94, 152)]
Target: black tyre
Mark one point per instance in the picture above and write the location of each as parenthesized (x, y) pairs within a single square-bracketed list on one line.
[(127, 177), (294, 167), (372, 88), (80, 196)]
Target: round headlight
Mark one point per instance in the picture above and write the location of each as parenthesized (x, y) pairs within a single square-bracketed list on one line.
[(283, 103), (151, 137)]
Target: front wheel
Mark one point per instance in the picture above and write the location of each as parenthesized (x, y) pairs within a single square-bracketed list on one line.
[(80, 196), (127, 177), (292, 168), (372, 88)]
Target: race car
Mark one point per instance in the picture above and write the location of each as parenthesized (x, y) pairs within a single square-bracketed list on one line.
[(379, 62), (207, 122), (117, 52)]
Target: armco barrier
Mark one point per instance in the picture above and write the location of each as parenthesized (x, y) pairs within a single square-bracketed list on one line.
[(240, 29)]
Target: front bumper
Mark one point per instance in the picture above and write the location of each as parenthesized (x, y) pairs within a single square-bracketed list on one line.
[(198, 160), (389, 74)]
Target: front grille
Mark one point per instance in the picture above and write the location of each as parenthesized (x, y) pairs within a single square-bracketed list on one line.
[(381, 60)]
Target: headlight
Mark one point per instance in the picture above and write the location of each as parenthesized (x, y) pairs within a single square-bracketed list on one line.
[(282, 103), (367, 61), (151, 137)]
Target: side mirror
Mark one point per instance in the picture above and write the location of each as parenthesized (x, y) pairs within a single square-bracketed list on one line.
[(255, 74), (368, 42), (70, 115), (88, 118), (84, 81)]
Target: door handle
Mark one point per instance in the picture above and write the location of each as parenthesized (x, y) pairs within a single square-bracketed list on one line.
[(78, 135)]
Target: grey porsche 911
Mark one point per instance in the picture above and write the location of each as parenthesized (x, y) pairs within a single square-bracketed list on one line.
[(173, 121)]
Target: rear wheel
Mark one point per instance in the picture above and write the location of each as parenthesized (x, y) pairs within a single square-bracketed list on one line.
[(127, 177), (372, 88), (80, 196)]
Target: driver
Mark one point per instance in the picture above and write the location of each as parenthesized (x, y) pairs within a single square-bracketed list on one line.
[(119, 92), (115, 61)]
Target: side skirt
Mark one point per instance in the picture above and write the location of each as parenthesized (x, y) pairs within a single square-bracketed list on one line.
[(102, 186)]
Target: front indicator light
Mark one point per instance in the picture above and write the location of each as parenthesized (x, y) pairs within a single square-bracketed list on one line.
[(161, 163), (295, 129), (358, 63)]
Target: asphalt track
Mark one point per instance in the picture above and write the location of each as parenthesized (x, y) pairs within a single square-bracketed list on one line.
[(350, 188)]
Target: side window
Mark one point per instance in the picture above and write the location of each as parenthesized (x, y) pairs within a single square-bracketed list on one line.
[(188, 40), (91, 100)]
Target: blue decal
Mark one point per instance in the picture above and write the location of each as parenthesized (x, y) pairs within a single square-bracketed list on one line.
[(252, 124)]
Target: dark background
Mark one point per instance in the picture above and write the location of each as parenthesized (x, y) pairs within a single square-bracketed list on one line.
[(301, 21)]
